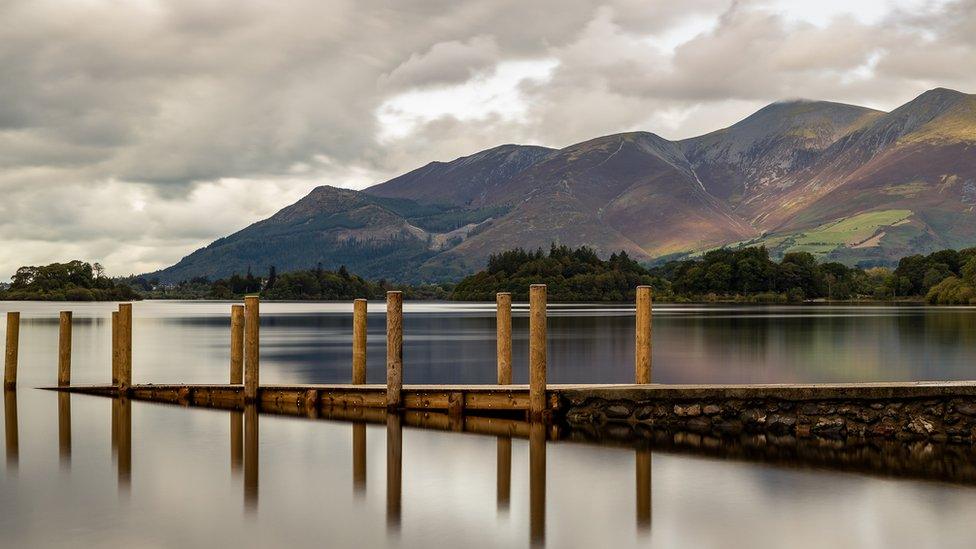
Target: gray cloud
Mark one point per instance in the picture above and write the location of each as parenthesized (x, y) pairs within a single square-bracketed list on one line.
[(131, 133)]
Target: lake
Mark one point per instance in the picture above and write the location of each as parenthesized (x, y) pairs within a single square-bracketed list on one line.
[(179, 480)]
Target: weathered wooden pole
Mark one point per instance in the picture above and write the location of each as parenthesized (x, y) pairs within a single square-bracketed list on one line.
[(503, 337), (394, 350), (64, 350), (10, 353), (642, 352), (359, 457), (537, 351), (643, 477), (503, 462), (252, 349), (394, 469), (359, 341), (125, 347), (537, 483), (236, 344), (115, 348)]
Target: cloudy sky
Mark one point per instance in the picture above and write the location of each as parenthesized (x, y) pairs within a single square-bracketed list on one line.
[(132, 133)]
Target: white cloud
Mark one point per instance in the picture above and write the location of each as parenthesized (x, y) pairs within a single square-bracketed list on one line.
[(134, 132)]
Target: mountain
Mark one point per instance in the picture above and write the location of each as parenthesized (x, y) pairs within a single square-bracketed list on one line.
[(464, 180), (844, 182), (905, 183)]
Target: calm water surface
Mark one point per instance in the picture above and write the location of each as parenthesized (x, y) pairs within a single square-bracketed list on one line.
[(177, 478)]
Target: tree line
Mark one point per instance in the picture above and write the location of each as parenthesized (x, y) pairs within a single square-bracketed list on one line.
[(747, 274), (72, 281), (571, 274)]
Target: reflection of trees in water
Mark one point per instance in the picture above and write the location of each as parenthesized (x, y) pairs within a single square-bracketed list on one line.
[(815, 345)]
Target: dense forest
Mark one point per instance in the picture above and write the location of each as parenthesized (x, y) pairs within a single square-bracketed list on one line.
[(71, 281), (570, 274), (747, 274)]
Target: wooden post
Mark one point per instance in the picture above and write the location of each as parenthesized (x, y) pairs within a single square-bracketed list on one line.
[(394, 350), (537, 483), (236, 344), (115, 348), (125, 347), (537, 350), (503, 336), (252, 349), (64, 350), (10, 355), (359, 341), (642, 351)]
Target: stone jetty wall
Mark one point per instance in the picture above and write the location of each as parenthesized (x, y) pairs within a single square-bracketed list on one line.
[(942, 412)]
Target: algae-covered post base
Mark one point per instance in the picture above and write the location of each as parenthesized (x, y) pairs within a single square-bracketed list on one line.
[(11, 350), (394, 350)]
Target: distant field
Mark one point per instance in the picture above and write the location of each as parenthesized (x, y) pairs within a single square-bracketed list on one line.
[(826, 238)]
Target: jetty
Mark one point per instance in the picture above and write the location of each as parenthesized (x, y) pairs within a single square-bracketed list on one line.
[(936, 412)]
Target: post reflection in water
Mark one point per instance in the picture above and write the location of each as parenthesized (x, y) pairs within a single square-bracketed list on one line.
[(643, 476), (504, 472), (236, 442), (537, 483), (123, 435), (64, 429), (359, 458), (394, 456), (250, 457), (10, 425)]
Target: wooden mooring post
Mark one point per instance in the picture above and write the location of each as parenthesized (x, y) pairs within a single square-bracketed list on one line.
[(115, 348), (64, 349), (125, 347), (503, 336), (359, 341), (11, 350), (394, 350), (642, 339), (537, 484), (537, 351), (252, 348), (236, 344)]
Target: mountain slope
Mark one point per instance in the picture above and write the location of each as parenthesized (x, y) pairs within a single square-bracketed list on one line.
[(462, 181), (841, 181), (920, 158), (753, 160)]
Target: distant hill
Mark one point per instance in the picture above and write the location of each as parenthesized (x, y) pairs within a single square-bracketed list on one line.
[(840, 181)]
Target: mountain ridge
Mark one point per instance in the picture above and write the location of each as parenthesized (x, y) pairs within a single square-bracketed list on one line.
[(845, 182)]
